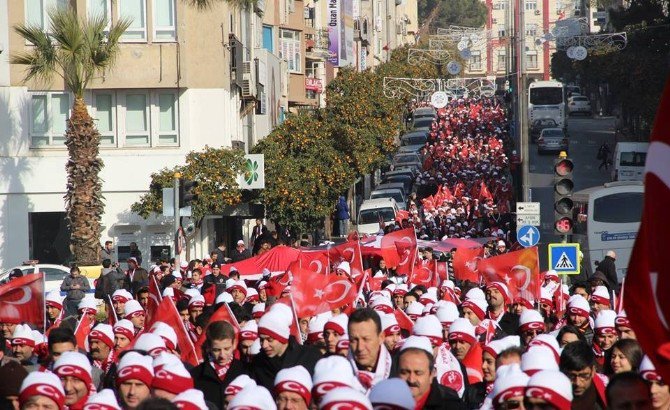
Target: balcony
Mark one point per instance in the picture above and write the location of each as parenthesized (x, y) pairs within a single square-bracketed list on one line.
[(316, 45)]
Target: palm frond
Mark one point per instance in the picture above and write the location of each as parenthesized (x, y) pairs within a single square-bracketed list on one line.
[(41, 59), (207, 4)]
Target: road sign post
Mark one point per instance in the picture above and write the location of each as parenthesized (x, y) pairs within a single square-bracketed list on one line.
[(528, 236), (564, 258)]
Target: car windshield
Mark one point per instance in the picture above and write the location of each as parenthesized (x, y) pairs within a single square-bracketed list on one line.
[(552, 133), (370, 216), (404, 159), (418, 140), (579, 99), (423, 122), (545, 123), (388, 194)]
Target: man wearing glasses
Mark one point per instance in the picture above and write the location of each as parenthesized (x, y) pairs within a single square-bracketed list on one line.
[(588, 388)]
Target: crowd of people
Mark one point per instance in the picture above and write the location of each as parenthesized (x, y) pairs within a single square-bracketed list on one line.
[(404, 346)]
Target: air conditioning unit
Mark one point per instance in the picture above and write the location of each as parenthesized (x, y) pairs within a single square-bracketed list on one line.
[(248, 80), (537, 12)]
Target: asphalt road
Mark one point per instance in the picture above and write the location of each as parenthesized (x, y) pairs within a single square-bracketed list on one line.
[(585, 136)]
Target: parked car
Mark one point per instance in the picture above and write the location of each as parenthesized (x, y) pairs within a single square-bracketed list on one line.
[(405, 158), (414, 138), (422, 112), (374, 210), (579, 105), (395, 193), (405, 180), (552, 140), (538, 125), (423, 123), (53, 275), (411, 149)]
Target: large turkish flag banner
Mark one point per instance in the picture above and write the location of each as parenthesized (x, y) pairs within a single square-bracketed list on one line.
[(22, 300), (314, 293), (519, 270), (648, 278)]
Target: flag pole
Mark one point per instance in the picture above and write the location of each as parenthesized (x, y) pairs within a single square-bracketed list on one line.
[(44, 304), (111, 305)]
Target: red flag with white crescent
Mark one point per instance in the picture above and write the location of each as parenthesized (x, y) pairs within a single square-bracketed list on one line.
[(155, 298), (316, 261), (648, 276), (350, 252), (82, 331), (223, 313), (313, 293), (22, 300), (519, 270), (167, 312), (466, 263), (404, 321), (396, 249)]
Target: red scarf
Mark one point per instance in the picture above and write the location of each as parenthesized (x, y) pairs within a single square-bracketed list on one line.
[(221, 371)]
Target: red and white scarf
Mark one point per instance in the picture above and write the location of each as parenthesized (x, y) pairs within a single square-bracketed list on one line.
[(382, 371), (220, 371), (448, 369)]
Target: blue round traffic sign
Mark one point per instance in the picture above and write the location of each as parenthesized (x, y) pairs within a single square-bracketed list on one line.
[(528, 236)]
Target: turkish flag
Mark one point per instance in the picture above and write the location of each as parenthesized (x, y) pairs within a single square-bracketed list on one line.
[(648, 277), (375, 284), (349, 251), (466, 262), (167, 312), (223, 313), (422, 275), (315, 260), (22, 300), (484, 193), (473, 363), (519, 270), (82, 331), (155, 298), (314, 293), (402, 214), (277, 284), (398, 249), (404, 321)]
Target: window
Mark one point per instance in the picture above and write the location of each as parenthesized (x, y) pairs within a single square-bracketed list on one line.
[(100, 8), (501, 31), (289, 50), (137, 11), (621, 208), (502, 60), (164, 20), (531, 4), (268, 38), (37, 11), (137, 118), (476, 61), (531, 59), (531, 30), (49, 113)]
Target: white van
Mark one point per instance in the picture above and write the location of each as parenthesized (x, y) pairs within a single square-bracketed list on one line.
[(628, 161), (372, 210)]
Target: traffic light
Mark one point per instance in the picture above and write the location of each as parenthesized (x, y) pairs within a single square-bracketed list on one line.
[(186, 194), (563, 187)]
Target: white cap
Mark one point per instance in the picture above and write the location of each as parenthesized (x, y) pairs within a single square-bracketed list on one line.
[(167, 333), (253, 397), (417, 342), (332, 372), (392, 393), (430, 327), (535, 359), (345, 398), (462, 329), (447, 312), (294, 379), (102, 400), (605, 322), (190, 399), (224, 297), (552, 386), (239, 383), (338, 324), (510, 382), (531, 319)]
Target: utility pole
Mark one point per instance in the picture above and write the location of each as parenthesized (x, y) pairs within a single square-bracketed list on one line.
[(522, 99), (177, 176)]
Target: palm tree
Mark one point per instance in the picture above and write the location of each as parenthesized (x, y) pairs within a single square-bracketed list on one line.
[(76, 50)]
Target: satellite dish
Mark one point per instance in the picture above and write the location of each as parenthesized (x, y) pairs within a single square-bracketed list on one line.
[(453, 67), (579, 53), (466, 54)]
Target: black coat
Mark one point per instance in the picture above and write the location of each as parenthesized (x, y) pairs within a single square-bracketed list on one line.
[(265, 369), (206, 380), (474, 395), (607, 267), (441, 397), (509, 323)]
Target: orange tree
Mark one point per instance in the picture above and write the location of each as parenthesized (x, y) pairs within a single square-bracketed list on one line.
[(304, 172), (215, 170)]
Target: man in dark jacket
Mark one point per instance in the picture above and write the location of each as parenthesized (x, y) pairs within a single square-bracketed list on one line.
[(498, 298), (110, 280), (608, 267), (75, 285), (416, 366), (137, 276), (220, 367), (279, 350), (240, 253)]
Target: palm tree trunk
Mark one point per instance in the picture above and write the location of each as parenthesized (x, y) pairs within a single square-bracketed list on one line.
[(83, 200)]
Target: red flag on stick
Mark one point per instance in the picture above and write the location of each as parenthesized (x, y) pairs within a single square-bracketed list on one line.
[(155, 298), (397, 249), (314, 293), (465, 264), (22, 300), (223, 313), (520, 270), (648, 277), (404, 321), (167, 312), (82, 331)]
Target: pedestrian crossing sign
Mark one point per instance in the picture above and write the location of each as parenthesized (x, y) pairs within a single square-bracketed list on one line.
[(564, 258)]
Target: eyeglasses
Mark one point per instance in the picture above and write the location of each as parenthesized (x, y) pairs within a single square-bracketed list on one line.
[(509, 405), (583, 376)]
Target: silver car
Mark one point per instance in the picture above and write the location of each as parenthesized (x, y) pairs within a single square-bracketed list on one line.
[(552, 140), (579, 105)]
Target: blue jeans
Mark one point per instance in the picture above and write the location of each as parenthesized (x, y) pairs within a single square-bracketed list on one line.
[(344, 227)]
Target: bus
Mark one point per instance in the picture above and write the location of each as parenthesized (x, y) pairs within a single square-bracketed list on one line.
[(607, 218), (546, 99)]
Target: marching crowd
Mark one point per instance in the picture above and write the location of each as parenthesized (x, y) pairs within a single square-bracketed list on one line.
[(405, 346)]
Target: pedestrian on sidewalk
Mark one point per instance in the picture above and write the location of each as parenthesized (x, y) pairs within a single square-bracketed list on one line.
[(342, 216), (604, 156)]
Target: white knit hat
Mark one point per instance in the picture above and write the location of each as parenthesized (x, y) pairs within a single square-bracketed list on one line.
[(382, 304), (258, 310), (549, 341), (253, 397), (510, 382), (252, 295), (344, 267), (648, 370), (167, 333), (150, 343), (535, 359), (249, 331), (238, 285), (605, 322), (168, 293), (197, 301), (447, 313), (494, 347), (76, 365), (315, 328), (462, 329), (125, 327), (552, 386), (173, 378), (345, 398), (88, 305), (332, 372), (54, 299), (23, 335), (191, 399), (531, 319), (42, 384), (338, 324), (601, 295), (224, 297), (417, 342), (577, 305), (122, 295), (239, 383), (134, 366), (389, 324), (430, 327), (191, 293), (294, 379), (163, 359), (276, 325), (477, 306), (132, 308), (414, 310), (392, 393), (475, 293), (104, 333), (102, 400), (503, 289)]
